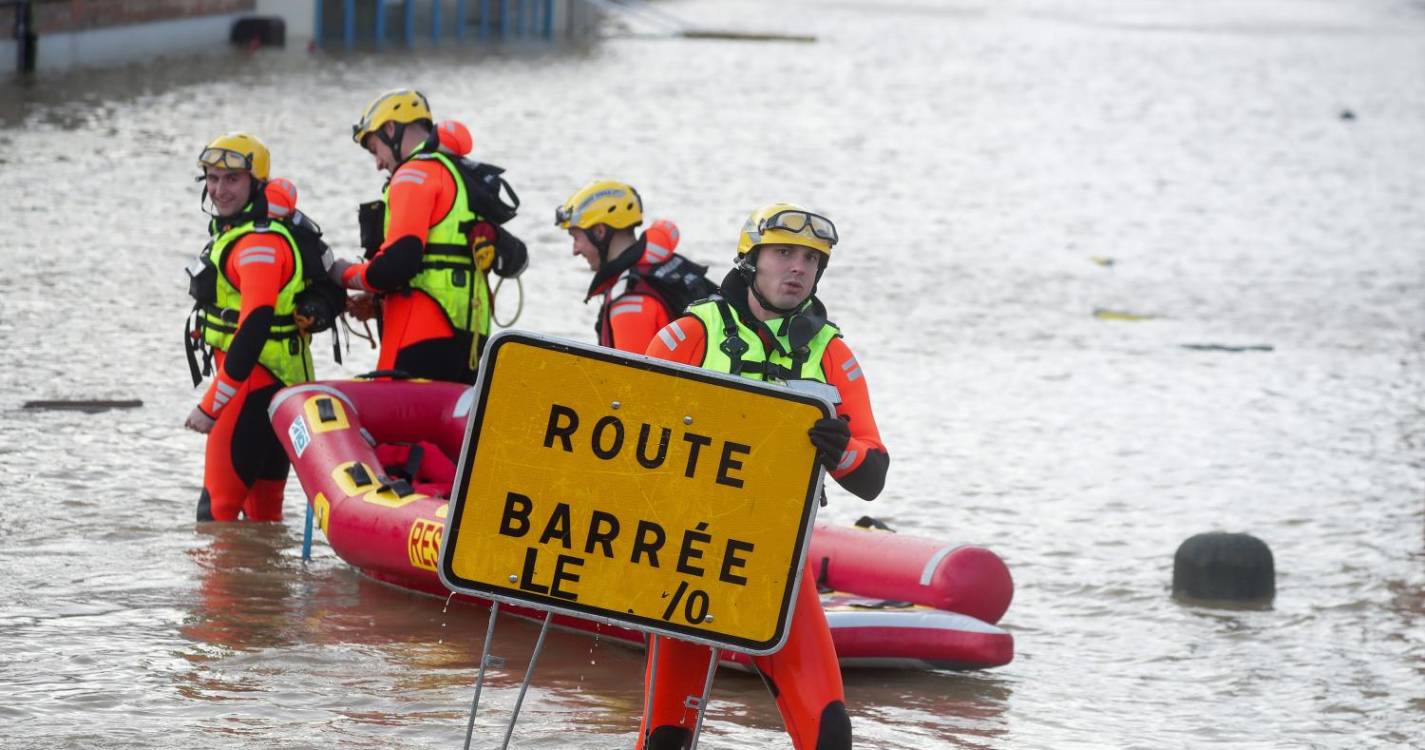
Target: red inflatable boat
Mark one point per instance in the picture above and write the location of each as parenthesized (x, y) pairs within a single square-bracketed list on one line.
[(377, 458)]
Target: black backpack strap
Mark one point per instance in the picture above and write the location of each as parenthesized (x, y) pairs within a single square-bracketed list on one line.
[(191, 344)]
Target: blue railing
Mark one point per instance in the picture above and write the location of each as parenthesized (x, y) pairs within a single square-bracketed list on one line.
[(366, 21)]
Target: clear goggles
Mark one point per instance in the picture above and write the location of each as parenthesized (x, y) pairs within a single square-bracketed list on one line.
[(224, 158), (796, 221)]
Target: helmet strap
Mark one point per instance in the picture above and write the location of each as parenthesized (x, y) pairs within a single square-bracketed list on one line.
[(431, 143), (393, 142), (255, 209), (602, 245), (747, 268)]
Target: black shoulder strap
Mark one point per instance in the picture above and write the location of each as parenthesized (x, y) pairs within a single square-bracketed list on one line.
[(732, 344)]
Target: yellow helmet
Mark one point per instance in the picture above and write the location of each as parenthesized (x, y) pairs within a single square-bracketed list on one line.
[(236, 151), (784, 223), (601, 202), (401, 106)]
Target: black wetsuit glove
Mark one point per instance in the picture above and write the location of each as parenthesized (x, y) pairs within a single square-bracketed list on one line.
[(830, 436)]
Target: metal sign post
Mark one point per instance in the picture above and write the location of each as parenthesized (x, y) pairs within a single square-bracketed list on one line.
[(703, 701), (480, 678), (528, 673)]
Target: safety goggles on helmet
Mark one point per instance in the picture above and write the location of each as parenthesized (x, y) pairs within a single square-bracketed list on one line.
[(224, 158), (796, 221)]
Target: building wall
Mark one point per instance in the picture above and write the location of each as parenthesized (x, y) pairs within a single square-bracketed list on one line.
[(61, 16), (87, 33), (300, 17)]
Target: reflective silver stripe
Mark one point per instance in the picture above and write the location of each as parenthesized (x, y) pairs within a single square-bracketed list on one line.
[(847, 458), (278, 210), (415, 177), (257, 254), (219, 400), (677, 331), (226, 390), (627, 305), (934, 562), (847, 367), (667, 339), (617, 311), (658, 253)]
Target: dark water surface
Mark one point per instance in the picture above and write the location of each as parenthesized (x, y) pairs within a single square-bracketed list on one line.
[(977, 157)]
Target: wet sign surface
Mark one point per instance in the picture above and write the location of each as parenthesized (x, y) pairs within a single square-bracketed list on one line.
[(622, 489)]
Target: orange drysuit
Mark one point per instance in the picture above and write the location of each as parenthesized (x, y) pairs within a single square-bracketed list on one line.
[(804, 676), (244, 467), (416, 335), (632, 312)]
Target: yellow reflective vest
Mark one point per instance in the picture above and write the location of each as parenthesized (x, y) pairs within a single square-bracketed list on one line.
[(286, 353), (749, 358), (450, 273)]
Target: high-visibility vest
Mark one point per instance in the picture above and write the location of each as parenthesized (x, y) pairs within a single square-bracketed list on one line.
[(286, 353), (450, 273), (750, 359)]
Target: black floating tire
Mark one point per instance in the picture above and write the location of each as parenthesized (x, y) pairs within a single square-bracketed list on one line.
[(262, 31), (1219, 566)]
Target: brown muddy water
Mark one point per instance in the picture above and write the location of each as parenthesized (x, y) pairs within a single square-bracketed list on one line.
[(1225, 173)]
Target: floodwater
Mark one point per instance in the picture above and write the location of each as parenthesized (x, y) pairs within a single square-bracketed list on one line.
[(1207, 173)]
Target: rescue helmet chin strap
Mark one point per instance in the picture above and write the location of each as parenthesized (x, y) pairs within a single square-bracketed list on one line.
[(394, 141), (747, 267), (255, 207), (602, 245)]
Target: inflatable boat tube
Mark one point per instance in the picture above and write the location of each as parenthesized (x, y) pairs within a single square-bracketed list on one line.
[(376, 460)]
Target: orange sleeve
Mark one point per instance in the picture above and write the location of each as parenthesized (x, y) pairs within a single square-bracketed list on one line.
[(421, 193), (684, 341), (259, 265), (843, 371), (634, 319)]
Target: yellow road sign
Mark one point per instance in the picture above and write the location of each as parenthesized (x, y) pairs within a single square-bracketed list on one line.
[(623, 489)]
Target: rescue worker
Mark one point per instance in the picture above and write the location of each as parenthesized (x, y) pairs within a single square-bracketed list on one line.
[(602, 218), (767, 324), (434, 250), (246, 282)]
